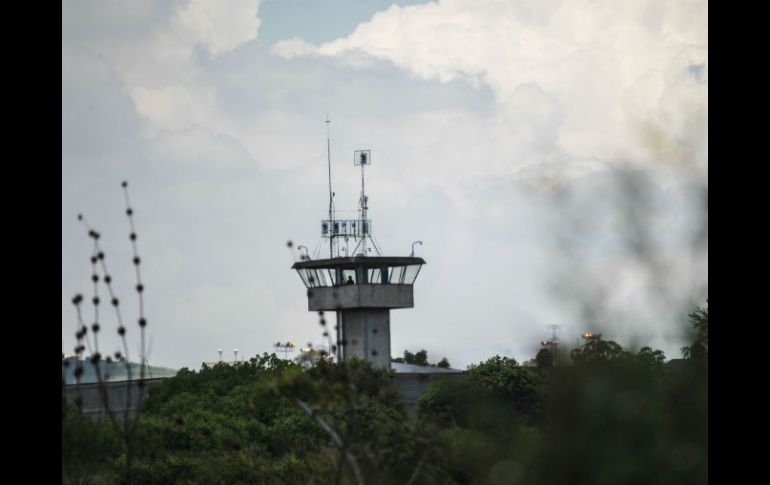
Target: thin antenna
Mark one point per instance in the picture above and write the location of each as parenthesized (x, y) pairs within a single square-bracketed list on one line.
[(331, 194), (363, 202), (363, 158)]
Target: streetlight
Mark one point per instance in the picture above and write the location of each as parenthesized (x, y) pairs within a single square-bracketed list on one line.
[(416, 242), (285, 348)]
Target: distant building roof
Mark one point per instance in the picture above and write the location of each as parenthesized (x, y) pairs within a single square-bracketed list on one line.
[(400, 368), (225, 362)]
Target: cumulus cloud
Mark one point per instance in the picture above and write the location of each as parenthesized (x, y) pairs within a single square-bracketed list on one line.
[(616, 70), (220, 26), (552, 155)]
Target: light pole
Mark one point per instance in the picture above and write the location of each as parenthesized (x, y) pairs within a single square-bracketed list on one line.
[(285, 348), (416, 242)]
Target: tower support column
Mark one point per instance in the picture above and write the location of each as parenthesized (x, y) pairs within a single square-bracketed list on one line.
[(365, 334)]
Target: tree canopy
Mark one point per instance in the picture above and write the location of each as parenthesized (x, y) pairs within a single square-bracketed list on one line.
[(699, 349), (612, 416), (420, 358)]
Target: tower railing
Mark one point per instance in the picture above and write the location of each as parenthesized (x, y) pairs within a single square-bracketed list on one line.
[(359, 270)]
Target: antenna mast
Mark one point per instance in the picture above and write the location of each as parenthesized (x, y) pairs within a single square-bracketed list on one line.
[(331, 194), (363, 158), (364, 161), (359, 229)]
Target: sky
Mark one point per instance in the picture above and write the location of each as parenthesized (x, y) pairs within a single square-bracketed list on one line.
[(552, 156)]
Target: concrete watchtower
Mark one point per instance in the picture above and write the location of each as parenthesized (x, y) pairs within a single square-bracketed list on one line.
[(359, 286), (363, 307)]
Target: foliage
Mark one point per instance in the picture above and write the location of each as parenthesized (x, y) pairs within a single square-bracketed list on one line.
[(498, 382), (620, 423), (698, 351), (613, 416), (247, 423), (420, 358), (363, 415), (484, 419), (87, 447), (544, 359), (446, 402), (224, 424), (504, 378), (596, 351)]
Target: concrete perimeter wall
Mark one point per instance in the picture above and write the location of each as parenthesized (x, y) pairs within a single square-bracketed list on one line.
[(120, 396), (410, 387)]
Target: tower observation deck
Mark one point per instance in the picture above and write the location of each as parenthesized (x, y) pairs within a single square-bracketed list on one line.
[(361, 290), (360, 287)]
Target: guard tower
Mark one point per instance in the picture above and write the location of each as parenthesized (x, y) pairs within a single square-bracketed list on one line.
[(360, 286)]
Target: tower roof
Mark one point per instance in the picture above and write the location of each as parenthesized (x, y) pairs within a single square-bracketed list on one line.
[(358, 261)]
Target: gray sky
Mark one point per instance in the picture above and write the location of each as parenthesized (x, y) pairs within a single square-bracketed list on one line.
[(552, 155)]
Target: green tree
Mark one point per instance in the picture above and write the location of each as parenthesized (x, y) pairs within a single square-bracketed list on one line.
[(88, 447), (497, 382), (485, 421), (598, 351), (417, 358), (699, 350), (224, 424), (504, 377), (544, 359), (420, 358), (361, 414), (650, 360), (446, 402), (622, 420)]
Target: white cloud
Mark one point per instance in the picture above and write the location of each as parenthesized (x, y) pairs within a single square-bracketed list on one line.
[(496, 129), (293, 47), (175, 107), (591, 57), (220, 26)]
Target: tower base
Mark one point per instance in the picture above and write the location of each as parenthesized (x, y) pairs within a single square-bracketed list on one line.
[(365, 333)]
